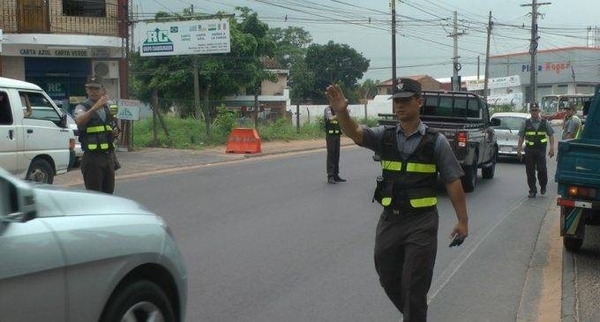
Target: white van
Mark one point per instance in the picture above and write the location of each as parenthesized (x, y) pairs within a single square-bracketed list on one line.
[(36, 142)]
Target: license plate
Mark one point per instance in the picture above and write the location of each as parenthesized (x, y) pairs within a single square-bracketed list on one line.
[(506, 149)]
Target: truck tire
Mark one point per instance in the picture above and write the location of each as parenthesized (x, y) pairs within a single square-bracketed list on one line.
[(469, 180), (40, 171), (488, 171), (572, 244)]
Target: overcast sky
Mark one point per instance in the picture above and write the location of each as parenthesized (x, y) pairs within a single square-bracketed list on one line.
[(422, 42)]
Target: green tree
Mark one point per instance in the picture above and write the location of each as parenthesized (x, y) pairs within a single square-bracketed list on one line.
[(291, 43), (368, 89), (330, 64)]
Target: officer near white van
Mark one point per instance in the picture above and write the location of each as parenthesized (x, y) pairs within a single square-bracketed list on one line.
[(97, 134)]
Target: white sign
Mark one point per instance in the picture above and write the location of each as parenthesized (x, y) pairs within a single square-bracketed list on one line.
[(499, 82), (186, 38), (129, 110)]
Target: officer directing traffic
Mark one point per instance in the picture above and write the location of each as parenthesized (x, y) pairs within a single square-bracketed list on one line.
[(412, 155), (97, 132)]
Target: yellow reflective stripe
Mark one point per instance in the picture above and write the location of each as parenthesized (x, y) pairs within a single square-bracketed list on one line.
[(531, 133), (386, 201), (99, 128), (423, 202), (104, 146), (92, 146), (544, 140), (421, 167), (391, 165)]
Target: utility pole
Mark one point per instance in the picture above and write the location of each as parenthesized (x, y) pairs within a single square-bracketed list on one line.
[(394, 78), (487, 58), (456, 67), (533, 49)]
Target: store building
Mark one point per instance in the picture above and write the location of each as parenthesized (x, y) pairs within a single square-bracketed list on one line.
[(57, 44), (569, 70)]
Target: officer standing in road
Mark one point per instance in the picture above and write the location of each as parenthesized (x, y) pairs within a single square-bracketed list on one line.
[(332, 138), (536, 132), (412, 155), (97, 133), (572, 123)]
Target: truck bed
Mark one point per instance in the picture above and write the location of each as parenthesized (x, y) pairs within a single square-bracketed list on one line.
[(579, 163)]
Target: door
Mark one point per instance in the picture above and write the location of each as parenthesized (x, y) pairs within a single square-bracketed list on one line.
[(33, 16), (42, 131), (8, 135)]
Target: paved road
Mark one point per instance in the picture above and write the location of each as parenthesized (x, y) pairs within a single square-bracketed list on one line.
[(580, 283)]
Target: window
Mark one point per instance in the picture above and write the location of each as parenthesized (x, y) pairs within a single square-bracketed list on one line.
[(5, 111), (37, 106), (84, 8)]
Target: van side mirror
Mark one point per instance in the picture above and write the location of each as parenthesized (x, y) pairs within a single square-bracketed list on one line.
[(17, 199), (63, 121)]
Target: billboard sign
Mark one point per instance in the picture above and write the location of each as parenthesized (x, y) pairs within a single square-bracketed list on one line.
[(186, 38)]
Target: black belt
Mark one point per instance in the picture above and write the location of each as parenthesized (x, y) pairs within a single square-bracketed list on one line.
[(409, 212)]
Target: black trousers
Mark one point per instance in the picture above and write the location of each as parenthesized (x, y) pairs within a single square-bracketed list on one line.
[(405, 250), (535, 159), (333, 155), (98, 169)]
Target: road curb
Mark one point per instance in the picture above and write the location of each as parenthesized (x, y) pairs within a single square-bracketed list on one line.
[(569, 298)]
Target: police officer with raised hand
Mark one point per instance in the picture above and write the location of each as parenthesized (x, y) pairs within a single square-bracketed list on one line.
[(536, 132), (332, 140), (97, 133), (412, 155)]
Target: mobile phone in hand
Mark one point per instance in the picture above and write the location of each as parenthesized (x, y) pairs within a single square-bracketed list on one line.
[(457, 241)]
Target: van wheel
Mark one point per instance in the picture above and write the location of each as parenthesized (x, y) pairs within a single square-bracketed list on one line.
[(572, 244), (40, 171), (139, 301)]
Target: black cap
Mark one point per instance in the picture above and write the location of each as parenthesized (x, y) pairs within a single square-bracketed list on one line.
[(94, 81), (534, 106), (406, 87)]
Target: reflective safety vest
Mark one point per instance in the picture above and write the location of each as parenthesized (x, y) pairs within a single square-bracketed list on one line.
[(536, 138), (332, 127), (577, 120), (407, 184), (97, 135)]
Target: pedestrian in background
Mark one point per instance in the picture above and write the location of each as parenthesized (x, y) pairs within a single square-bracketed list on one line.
[(412, 155), (572, 123), (97, 134), (536, 132), (332, 139)]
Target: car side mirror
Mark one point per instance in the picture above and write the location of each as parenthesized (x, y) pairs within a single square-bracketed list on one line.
[(17, 199)]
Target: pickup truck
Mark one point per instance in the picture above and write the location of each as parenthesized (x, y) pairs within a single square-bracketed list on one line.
[(464, 119), (578, 178)]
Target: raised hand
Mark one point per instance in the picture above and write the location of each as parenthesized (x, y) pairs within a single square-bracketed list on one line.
[(336, 98)]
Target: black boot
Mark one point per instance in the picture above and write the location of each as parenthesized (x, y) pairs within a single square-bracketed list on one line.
[(331, 180), (338, 179)]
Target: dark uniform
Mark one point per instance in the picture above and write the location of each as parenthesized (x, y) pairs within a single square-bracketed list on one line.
[(98, 161), (536, 133), (332, 138), (406, 236)]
